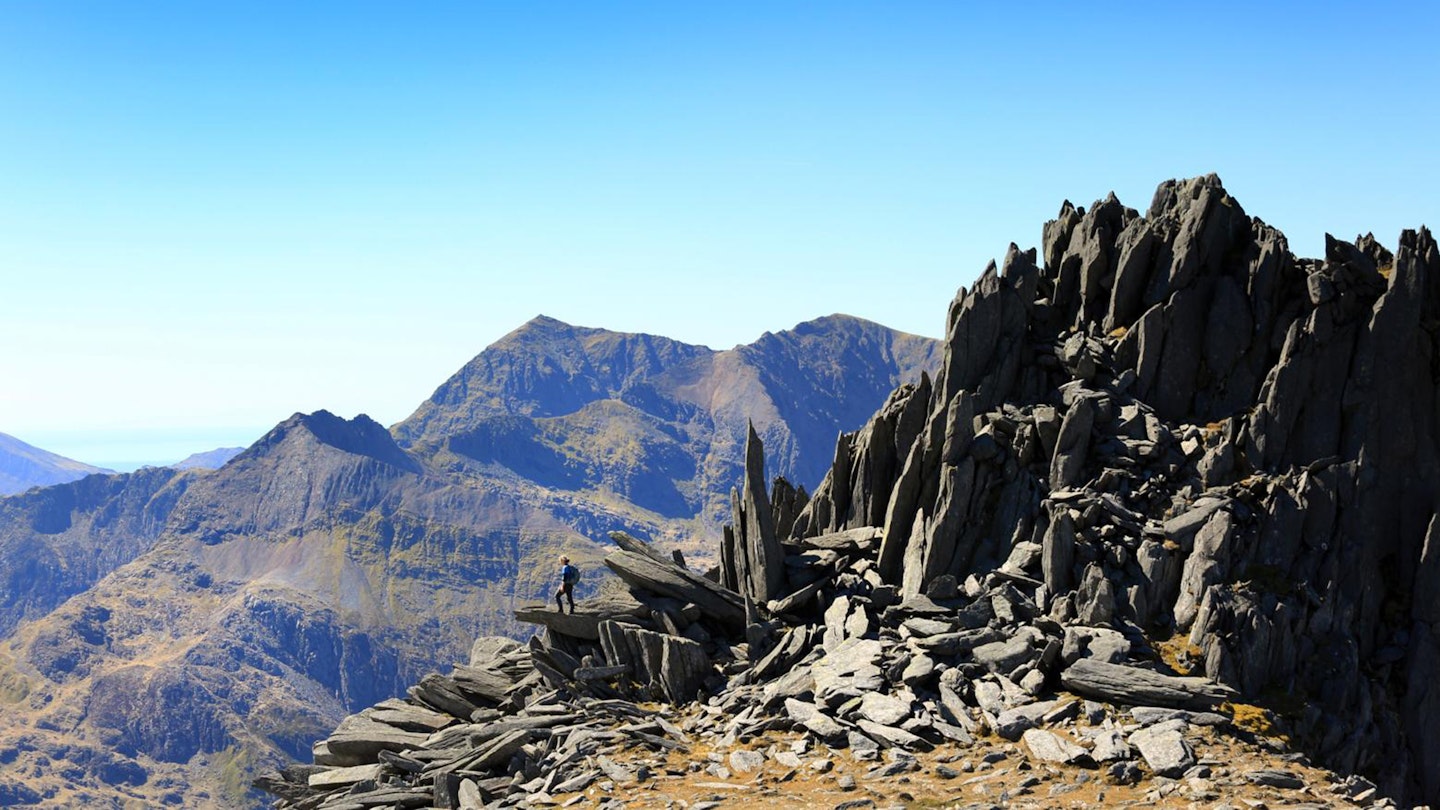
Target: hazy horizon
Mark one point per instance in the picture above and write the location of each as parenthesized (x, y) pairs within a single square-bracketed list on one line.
[(218, 215)]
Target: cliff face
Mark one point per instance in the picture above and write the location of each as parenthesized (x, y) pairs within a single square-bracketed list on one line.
[(60, 540), (1196, 433)]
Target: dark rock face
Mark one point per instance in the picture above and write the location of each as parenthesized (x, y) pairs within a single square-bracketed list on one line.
[(1196, 364), (58, 541)]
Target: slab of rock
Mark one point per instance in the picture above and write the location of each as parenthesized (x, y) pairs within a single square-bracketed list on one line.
[(410, 718), (1050, 747), (1110, 746), (488, 650), (809, 716), (672, 667), (441, 694), (1004, 657), (746, 761), (1150, 715), (1164, 748), (1100, 643), (1275, 778), (852, 668), (584, 623), (658, 575), (1116, 683), (341, 777), (1013, 723), (891, 737), (884, 709), (864, 538)]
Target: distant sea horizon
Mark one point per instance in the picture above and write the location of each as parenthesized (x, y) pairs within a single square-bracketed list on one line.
[(127, 450)]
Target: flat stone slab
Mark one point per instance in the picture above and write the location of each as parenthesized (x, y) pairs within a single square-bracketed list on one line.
[(884, 709), (1275, 778), (809, 716), (1050, 747), (340, 777), (863, 539), (1013, 723), (1132, 686), (1164, 748), (1150, 715), (746, 761)]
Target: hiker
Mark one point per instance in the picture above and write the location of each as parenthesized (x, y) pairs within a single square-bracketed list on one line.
[(569, 575)]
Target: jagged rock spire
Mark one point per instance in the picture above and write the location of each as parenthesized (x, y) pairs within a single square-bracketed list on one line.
[(752, 561)]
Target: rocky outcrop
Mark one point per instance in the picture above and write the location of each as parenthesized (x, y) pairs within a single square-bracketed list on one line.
[(1175, 471)]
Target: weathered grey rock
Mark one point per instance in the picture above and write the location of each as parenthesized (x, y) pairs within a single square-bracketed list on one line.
[(892, 737), (1164, 748), (861, 539), (746, 761), (884, 709), (407, 717), (919, 670), (759, 556), (1004, 657), (1049, 747), (1014, 722), (1150, 715), (1100, 643), (1207, 565), (960, 643), (584, 623), (340, 777), (819, 724), (487, 650), (1057, 554), (1116, 683), (1110, 746), (1095, 599), (1271, 777), (441, 694), (1073, 444), (469, 796), (671, 667), (836, 624), (656, 574)]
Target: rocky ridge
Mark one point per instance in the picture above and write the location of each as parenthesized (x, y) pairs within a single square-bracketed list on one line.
[(1175, 482)]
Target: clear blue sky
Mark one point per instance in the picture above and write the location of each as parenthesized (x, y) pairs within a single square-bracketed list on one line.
[(215, 214)]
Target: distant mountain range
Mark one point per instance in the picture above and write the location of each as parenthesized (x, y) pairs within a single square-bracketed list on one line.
[(209, 460), (23, 466), (169, 630)]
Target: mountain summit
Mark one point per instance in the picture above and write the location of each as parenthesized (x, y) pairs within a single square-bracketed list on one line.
[(658, 422)]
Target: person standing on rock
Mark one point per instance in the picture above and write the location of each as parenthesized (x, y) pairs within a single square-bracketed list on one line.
[(569, 575)]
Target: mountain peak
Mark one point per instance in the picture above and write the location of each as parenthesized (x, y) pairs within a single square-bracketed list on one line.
[(361, 436)]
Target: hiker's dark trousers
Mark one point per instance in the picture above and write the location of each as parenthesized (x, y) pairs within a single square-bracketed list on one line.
[(567, 590)]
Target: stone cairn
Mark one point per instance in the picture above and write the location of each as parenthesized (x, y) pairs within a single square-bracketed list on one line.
[(1174, 469)]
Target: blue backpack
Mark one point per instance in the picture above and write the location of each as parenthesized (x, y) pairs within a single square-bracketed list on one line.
[(570, 575)]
